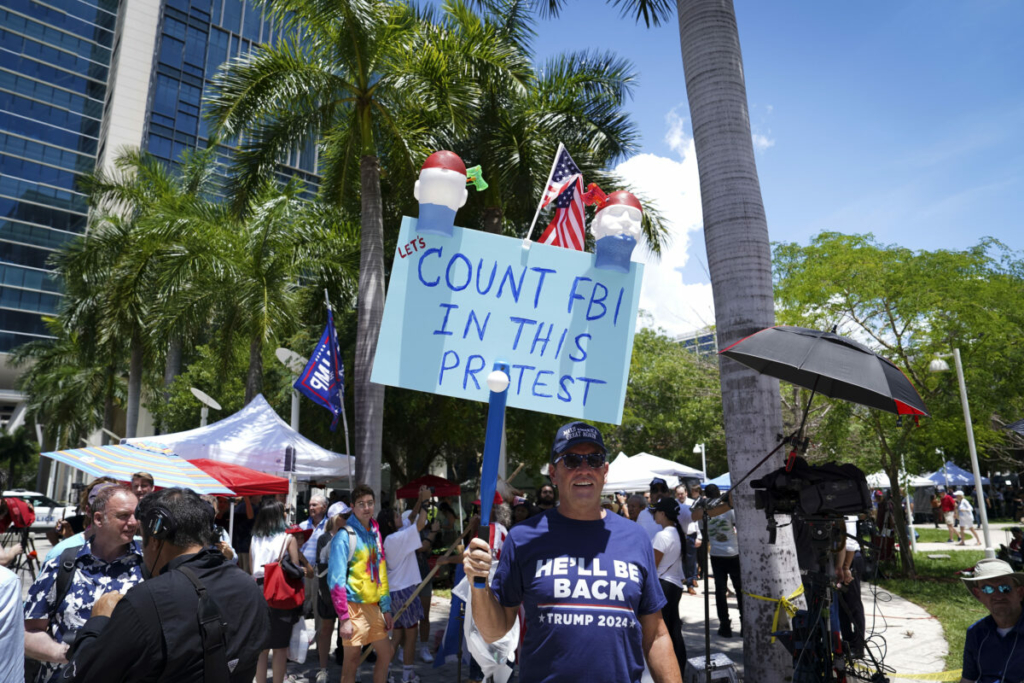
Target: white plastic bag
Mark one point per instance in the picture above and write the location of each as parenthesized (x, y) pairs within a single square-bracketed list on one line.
[(299, 645), (490, 656)]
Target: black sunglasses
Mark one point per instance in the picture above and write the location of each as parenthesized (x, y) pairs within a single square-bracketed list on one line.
[(1003, 588), (574, 460)]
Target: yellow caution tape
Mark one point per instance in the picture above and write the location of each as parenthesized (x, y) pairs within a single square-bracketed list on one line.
[(783, 603)]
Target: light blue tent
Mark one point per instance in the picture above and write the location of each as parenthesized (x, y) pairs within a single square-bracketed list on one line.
[(723, 482), (952, 475)]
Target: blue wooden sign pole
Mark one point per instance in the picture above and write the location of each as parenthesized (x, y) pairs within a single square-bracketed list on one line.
[(492, 449)]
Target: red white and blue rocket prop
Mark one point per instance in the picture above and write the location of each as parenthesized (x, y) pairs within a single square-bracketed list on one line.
[(616, 228), (441, 191)]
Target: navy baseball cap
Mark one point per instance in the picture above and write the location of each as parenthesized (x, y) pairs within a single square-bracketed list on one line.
[(574, 434)]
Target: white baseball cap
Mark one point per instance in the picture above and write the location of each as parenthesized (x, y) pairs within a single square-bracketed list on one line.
[(338, 508)]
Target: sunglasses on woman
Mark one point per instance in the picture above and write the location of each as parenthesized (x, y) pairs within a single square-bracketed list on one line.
[(574, 460), (1004, 589)]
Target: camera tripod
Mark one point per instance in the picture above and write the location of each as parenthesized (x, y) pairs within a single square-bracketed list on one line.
[(815, 641)]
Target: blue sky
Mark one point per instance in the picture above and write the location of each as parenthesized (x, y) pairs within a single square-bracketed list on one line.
[(901, 119)]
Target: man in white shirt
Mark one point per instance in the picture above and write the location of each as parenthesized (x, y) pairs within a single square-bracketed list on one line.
[(12, 628), (659, 489), (725, 559), (317, 522)]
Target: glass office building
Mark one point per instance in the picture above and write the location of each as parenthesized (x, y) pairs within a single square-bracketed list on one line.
[(79, 79), (54, 69), (196, 38)]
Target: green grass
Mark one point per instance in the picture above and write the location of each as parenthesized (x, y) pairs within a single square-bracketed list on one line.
[(445, 593), (938, 590), (933, 535)]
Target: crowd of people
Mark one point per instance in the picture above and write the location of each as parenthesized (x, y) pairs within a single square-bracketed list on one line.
[(153, 589)]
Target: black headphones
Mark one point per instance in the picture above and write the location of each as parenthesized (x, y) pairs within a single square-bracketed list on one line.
[(158, 523)]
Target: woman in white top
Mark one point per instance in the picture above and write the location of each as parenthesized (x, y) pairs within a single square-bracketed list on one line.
[(669, 552), (400, 546), (966, 511), (269, 543)]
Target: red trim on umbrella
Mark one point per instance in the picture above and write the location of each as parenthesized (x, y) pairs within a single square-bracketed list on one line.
[(905, 409), (746, 338)]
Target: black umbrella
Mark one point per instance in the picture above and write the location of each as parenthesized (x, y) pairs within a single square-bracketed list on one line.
[(829, 364), (1017, 426)]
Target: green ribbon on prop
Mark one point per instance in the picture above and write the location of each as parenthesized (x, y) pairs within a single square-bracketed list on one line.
[(475, 175)]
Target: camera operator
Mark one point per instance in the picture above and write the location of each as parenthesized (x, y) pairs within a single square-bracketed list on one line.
[(161, 630), (849, 570), (725, 553)]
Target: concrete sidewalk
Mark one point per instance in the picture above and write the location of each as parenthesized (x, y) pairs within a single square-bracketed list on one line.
[(910, 639)]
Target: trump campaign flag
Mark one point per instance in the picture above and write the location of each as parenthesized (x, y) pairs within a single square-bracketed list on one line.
[(323, 378)]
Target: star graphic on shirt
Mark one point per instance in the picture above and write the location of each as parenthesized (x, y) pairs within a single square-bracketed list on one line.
[(541, 618)]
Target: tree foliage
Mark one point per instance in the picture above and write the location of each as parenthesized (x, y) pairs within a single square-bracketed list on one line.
[(913, 307), (673, 401)]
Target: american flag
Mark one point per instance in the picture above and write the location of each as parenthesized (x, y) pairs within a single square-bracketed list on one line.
[(567, 228)]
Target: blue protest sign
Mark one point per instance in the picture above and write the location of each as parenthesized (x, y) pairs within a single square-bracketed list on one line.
[(456, 304), (323, 378)]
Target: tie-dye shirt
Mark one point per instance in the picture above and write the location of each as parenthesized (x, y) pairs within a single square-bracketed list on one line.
[(365, 578)]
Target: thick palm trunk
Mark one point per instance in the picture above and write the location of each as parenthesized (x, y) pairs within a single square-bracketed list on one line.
[(254, 377), (369, 397), (134, 386), (172, 368), (739, 260), (108, 406), (492, 219)]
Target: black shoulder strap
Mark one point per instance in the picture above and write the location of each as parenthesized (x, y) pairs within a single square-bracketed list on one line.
[(211, 627), (65, 572)]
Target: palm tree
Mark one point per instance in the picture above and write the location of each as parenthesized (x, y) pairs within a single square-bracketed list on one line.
[(739, 261), (17, 449), (353, 74), (240, 275), (71, 391), (108, 272)]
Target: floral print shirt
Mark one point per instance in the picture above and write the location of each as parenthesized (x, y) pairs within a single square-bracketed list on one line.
[(92, 578)]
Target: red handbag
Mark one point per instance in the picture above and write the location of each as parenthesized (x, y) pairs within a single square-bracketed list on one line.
[(280, 591)]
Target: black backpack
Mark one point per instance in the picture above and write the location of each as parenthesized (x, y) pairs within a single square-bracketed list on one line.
[(65, 572)]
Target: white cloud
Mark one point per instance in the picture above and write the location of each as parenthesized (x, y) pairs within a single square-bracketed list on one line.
[(674, 185), (762, 142)]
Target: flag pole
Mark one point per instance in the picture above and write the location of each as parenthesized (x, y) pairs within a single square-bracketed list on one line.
[(540, 204), (344, 419), (497, 382)]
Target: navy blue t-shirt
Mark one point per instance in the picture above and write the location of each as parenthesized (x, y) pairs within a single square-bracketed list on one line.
[(584, 585), (992, 658)]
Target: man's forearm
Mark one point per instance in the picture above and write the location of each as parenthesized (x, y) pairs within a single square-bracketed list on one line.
[(41, 646), (661, 657), (489, 615)]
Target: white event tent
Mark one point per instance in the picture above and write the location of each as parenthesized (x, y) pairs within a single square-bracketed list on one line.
[(635, 473), (256, 437), (880, 480)]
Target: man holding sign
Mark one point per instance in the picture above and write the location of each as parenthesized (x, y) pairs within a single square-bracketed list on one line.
[(586, 578)]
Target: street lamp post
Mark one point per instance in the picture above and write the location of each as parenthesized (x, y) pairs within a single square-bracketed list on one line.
[(295, 363), (699, 448), (207, 402), (939, 365)]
